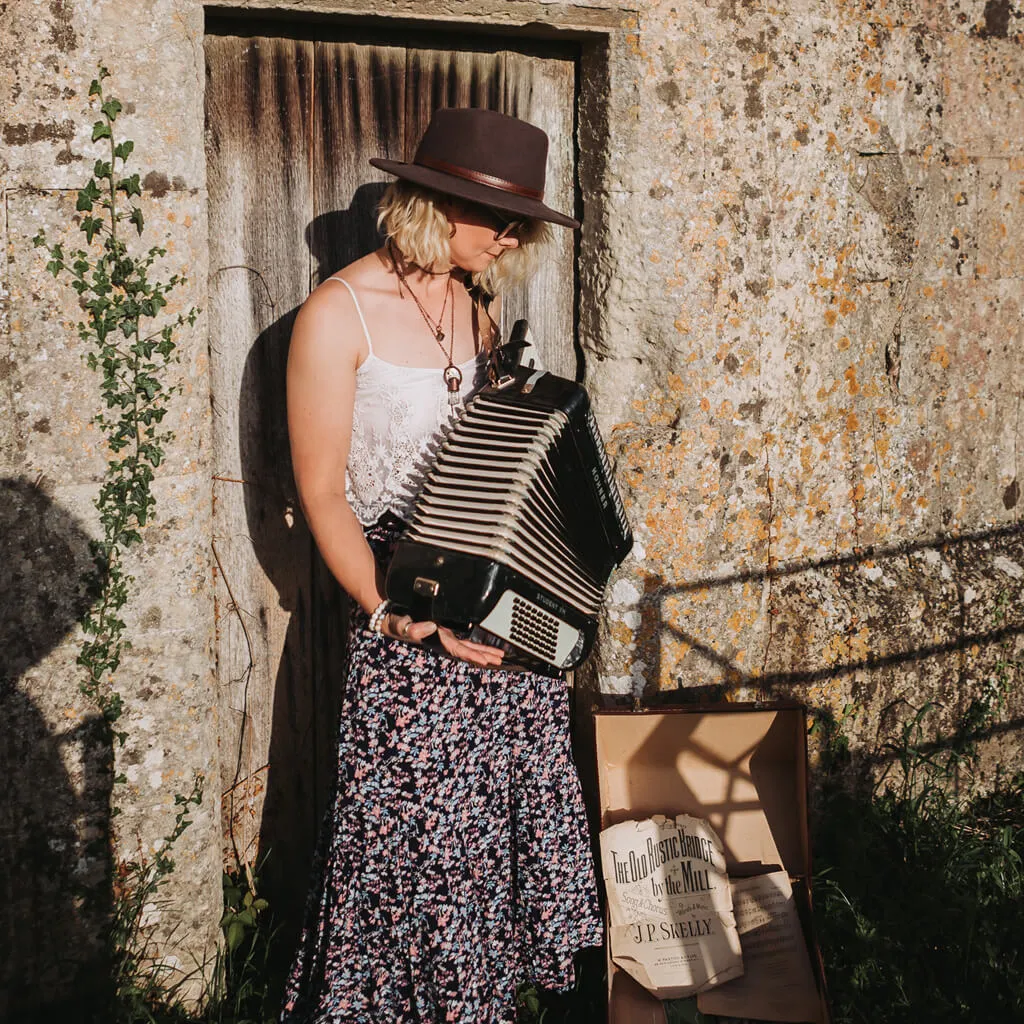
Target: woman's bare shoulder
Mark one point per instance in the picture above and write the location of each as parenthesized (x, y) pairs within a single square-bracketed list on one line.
[(329, 321)]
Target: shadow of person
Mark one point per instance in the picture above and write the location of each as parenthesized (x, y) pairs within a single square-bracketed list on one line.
[(54, 854), (308, 681)]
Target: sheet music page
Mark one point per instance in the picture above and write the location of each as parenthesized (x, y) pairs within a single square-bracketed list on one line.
[(778, 981), (669, 905)]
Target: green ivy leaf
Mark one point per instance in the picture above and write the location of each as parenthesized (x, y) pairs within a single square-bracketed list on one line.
[(87, 196), (124, 149), (136, 218), (130, 185), (91, 225), (100, 130), (112, 108)]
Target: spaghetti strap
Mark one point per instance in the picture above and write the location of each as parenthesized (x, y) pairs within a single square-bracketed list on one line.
[(362, 319)]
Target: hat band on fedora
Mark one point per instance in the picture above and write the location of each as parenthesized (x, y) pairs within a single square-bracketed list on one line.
[(479, 177)]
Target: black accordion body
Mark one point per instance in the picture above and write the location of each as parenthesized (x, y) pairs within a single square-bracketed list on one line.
[(518, 525)]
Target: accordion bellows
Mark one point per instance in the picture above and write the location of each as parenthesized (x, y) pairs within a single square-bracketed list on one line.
[(518, 525)]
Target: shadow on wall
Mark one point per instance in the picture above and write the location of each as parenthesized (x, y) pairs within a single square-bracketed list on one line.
[(53, 828), (943, 610), (937, 620), (307, 690)]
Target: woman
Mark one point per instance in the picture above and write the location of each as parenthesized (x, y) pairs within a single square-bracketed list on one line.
[(454, 863)]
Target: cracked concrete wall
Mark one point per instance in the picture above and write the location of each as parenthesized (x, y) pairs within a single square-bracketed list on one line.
[(801, 317), (814, 387)]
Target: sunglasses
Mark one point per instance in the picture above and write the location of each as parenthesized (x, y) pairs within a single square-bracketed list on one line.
[(504, 227)]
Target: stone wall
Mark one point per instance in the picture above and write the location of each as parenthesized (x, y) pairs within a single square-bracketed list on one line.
[(52, 459), (814, 388), (801, 315)]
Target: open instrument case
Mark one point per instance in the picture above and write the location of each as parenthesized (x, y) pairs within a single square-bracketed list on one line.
[(743, 767)]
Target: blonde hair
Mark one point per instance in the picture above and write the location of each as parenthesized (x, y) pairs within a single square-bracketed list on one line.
[(413, 222)]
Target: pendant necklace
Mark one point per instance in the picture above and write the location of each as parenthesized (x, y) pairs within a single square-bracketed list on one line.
[(452, 374)]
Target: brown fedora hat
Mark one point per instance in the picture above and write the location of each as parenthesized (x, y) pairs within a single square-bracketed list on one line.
[(485, 157)]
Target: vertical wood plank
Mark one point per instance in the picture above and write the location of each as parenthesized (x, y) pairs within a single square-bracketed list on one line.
[(258, 119), (541, 90), (358, 113), (436, 79)]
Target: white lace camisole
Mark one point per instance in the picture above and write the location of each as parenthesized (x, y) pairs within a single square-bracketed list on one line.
[(397, 424)]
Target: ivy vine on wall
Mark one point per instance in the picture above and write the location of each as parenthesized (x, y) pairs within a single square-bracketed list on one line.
[(130, 345)]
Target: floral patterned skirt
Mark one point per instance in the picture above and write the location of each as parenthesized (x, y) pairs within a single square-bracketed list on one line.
[(455, 862)]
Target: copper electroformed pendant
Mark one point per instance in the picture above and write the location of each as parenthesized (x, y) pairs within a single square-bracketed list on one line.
[(453, 381)]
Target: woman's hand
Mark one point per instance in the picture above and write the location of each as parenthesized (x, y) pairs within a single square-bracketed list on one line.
[(402, 627)]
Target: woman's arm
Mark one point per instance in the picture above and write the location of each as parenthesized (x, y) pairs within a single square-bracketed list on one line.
[(322, 362)]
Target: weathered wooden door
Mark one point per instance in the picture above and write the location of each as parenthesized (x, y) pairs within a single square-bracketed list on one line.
[(291, 124)]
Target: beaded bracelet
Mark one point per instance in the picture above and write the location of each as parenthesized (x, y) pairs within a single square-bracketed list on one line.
[(377, 616)]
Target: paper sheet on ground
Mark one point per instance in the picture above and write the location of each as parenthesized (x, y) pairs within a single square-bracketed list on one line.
[(670, 905), (778, 982)]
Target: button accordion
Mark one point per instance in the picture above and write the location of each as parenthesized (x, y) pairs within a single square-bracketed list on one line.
[(518, 524)]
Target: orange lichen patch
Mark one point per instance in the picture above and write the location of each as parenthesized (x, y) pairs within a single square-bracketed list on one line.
[(940, 355), (843, 343), (850, 374), (822, 433), (846, 306), (834, 650), (748, 527), (857, 492), (655, 257), (871, 389), (741, 618), (826, 392), (852, 423), (870, 469), (674, 649), (620, 632), (832, 144), (830, 317)]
